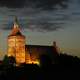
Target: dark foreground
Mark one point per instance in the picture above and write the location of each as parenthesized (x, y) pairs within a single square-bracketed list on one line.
[(61, 66), (34, 72)]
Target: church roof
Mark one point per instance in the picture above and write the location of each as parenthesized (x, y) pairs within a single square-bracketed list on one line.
[(16, 30), (47, 49), (42, 46)]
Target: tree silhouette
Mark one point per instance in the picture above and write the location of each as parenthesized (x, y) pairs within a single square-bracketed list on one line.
[(12, 60), (5, 60), (9, 60)]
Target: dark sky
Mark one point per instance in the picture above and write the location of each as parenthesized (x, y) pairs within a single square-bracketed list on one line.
[(45, 4), (34, 13)]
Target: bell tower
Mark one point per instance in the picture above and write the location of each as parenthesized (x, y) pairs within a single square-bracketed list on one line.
[(16, 43)]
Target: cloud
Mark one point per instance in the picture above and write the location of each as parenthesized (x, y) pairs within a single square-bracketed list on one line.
[(45, 4), (12, 3), (42, 22), (33, 19), (42, 26)]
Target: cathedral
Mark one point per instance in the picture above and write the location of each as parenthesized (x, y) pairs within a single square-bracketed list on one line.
[(24, 53)]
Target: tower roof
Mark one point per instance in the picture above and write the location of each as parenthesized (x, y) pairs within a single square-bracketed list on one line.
[(16, 29)]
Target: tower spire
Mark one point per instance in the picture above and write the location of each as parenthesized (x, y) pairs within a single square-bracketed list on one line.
[(16, 25)]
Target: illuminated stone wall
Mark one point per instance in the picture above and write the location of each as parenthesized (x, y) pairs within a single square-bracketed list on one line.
[(16, 48)]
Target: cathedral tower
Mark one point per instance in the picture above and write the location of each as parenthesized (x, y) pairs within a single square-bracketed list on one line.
[(16, 43)]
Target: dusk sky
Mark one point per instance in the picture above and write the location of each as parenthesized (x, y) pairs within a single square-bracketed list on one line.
[(42, 22)]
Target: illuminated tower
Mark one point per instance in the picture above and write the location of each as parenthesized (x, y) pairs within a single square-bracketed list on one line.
[(16, 43)]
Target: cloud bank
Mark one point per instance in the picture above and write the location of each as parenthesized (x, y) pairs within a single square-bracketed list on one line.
[(32, 19), (46, 4), (39, 15)]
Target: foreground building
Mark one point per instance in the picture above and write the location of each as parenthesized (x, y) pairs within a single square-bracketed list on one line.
[(23, 53)]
